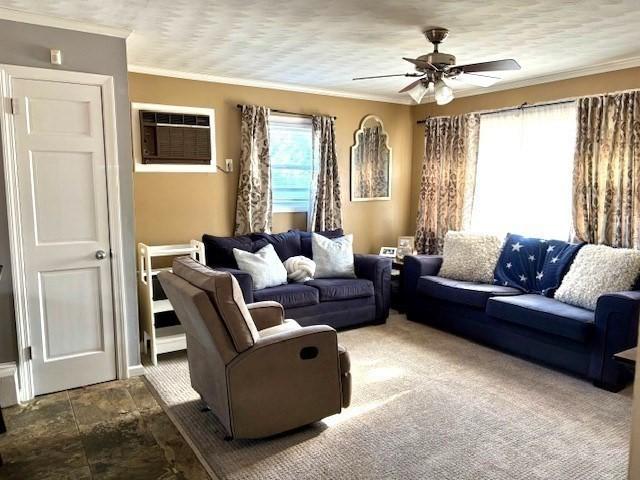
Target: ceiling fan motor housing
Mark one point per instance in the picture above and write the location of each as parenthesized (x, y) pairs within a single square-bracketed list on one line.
[(437, 59)]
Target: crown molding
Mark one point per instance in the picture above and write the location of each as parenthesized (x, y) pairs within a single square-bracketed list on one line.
[(606, 67), (59, 22), (264, 84)]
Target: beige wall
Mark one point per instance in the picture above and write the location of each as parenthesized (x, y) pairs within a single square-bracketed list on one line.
[(589, 85), (175, 207)]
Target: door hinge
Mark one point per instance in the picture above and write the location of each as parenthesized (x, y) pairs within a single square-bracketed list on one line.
[(29, 353)]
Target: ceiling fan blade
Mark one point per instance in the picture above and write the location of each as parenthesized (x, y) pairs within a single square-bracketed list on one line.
[(411, 86), (475, 79), (392, 75), (494, 66), (420, 63)]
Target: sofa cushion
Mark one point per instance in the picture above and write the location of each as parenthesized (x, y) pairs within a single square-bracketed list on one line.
[(596, 271), (470, 257), (289, 296), (286, 244), (342, 288), (458, 291), (305, 239), (219, 250), (544, 314)]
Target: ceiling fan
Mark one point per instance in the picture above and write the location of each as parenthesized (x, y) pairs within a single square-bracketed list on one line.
[(440, 69)]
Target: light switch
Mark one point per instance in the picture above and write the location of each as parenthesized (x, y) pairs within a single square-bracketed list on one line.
[(228, 162)]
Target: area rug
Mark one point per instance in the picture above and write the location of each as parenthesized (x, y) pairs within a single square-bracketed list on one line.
[(426, 405)]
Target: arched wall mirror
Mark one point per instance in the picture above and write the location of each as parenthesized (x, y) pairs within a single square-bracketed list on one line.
[(371, 162)]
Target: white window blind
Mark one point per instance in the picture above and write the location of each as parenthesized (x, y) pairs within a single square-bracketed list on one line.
[(524, 172), (290, 148)]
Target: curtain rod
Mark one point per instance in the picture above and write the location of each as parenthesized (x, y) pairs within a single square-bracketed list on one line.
[(510, 109), (284, 112), (541, 104)]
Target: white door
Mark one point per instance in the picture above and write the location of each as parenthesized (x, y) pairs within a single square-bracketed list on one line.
[(59, 142)]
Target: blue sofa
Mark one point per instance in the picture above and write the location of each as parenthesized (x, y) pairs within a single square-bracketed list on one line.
[(533, 326), (338, 302)]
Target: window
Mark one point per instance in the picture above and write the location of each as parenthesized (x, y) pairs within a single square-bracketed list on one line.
[(524, 172), (290, 148)]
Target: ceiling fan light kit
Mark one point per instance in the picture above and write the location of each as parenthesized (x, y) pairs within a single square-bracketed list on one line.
[(418, 92), (439, 68), (443, 93)]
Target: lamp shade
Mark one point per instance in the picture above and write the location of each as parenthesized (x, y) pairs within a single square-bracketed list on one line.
[(443, 93), (418, 92)]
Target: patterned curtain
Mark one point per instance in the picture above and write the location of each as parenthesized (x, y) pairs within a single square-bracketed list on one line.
[(253, 205), (606, 195), (447, 180), (326, 211)]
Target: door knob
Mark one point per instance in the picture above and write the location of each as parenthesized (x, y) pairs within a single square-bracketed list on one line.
[(101, 254)]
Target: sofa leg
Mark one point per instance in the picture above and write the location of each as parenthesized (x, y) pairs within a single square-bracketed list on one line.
[(610, 387)]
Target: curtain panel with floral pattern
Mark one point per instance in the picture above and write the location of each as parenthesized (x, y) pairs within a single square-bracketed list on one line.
[(254, 200), (606, 195), (447, 179), (326, 211)]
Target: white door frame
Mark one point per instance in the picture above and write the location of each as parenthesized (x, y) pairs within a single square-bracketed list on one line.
[(7, 73)]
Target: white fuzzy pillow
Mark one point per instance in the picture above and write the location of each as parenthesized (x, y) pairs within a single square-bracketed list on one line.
[(264, 266), (470, 256), (333, 256), (597, 270)]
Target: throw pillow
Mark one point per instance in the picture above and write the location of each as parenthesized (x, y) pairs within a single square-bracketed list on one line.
[(305, 239), (534, 265), (300, 268), (219, 250), (286, 244), (264, 266), (333, 257), (597, 270), (470, 256)]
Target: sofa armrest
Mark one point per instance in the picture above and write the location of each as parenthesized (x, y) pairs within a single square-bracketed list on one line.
[(285, 380), (266, 314), (416, 266), (244, 280), (616, 323), (377, 269)]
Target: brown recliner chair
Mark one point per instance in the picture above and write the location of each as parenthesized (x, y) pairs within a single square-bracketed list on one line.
[(259, 373)]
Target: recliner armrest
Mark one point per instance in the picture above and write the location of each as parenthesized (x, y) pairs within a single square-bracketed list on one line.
[(244, 280), (377, 269), (266, 314), (616, 323)]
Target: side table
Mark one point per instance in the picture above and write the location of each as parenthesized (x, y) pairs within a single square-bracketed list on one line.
[(397, 300)]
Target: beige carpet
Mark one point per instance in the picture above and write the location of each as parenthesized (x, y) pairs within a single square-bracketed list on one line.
[(426, 405)]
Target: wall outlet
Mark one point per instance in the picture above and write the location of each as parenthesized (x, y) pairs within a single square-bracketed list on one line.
[(228, 164)]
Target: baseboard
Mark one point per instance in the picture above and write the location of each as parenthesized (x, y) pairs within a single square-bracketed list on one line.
[(9, 393), (136, 370)]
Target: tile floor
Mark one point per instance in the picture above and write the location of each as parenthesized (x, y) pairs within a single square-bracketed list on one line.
[(114, 430)]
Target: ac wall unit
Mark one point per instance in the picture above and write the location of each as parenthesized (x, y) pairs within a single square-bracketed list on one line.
[(173, 139)]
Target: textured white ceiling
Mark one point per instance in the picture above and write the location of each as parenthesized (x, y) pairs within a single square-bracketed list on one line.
[(323, 44)]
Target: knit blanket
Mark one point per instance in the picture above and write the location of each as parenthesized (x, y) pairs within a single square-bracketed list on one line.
[(300, 268)]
